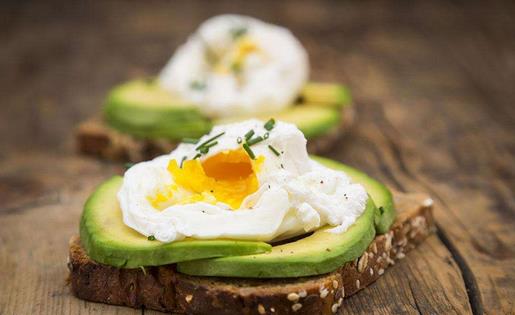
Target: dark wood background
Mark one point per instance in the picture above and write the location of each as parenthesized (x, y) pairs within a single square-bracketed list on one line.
[(434, 84)]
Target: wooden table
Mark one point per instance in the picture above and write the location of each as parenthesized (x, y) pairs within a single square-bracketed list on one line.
[(434, 85)]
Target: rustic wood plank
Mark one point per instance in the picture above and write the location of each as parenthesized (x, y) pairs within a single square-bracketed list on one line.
[(470, 174), (434, 87)]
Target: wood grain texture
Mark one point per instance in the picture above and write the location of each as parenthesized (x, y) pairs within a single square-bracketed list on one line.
[(432, 81)]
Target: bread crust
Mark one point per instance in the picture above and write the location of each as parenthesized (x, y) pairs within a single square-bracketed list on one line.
[(164, 289), (94, 137)]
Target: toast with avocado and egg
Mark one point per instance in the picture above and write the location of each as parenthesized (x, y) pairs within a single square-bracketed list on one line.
[(232, 68), (242, 221)]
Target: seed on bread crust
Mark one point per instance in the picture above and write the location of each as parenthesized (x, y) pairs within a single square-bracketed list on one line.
[(388, 241), (261, 309), (303, 293), (374, 248), (295, 307), (294, 297), (335, 284), (188, 298), (362, 262)]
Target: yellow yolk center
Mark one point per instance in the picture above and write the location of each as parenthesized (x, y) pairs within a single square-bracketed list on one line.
[(236, 56), (227, 177)]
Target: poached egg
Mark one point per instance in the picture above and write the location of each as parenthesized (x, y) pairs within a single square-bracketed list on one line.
[(249, 181), (237, 65)]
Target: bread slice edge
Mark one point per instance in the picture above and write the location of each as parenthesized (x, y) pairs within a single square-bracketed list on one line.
[(164, 289), (95, 138)]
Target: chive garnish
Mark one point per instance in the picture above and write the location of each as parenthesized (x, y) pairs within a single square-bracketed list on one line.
[(236, 67), (249, 151), (182, 161), (239, 140), (205, 149), (266, 135), (151, 238), (190, 140), (209, 140), (269, 125), (238, 32), (249, 134), (212, 144), (129, 165), (274, 150), (197, 156), (255, 140), (198, 85)]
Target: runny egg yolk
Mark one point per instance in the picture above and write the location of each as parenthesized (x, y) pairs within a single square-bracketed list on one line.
[(236, 55), (228, 177)]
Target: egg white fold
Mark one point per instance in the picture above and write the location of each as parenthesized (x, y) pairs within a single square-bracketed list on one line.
[(268, 79), (295, 195)]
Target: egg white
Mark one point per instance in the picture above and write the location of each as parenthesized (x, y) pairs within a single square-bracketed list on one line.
[(268, 79), (295, 194)]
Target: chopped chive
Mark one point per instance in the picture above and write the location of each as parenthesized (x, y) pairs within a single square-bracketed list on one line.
[(239, 140), (129, 165), (210, 140), (190, 140), (249, 134), (197, 156), (198, 85), (236, 67), (266, 135), (237, 32), (151, 238), (212, 144), (274, 150), (182, 161), (255, 140), (269, 125), (249, 151), (205, 149)]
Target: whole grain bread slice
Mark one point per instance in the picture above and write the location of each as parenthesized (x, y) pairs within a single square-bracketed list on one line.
[(94, 137), (164, 289)]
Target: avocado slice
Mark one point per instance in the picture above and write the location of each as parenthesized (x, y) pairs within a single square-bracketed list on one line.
[(319, 253), (311, 119), (382, 196), (109, 241), (326, 94), (144, 109)]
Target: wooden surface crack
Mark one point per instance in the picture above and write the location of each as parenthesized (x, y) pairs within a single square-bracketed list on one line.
[(469, 279), (417, 306)]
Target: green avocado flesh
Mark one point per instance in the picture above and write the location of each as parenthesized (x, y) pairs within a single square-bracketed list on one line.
[(327, 94), (319, 253), (109, 241), (144, 109), (380, 194)]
